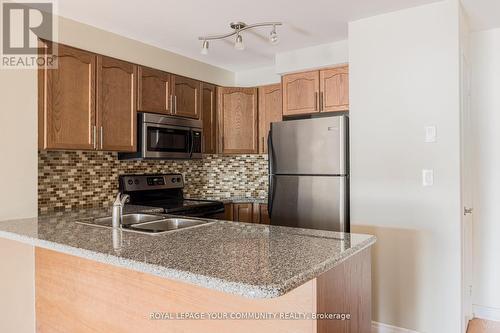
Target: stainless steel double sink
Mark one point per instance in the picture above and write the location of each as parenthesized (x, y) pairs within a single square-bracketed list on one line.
[(148, 223)]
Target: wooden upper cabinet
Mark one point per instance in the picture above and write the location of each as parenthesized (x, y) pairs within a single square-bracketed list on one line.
[(153, 91), (270, 110), (116, 104), (209, 111), (300, 93), (67, 101), (334, 87), (187, 97), (237, 117)]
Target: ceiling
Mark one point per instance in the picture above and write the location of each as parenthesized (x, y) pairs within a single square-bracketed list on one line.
[(175, 25), (483, 14)]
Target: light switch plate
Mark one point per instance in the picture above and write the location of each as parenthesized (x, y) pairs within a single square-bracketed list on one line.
[(430, 134), (427, 177)]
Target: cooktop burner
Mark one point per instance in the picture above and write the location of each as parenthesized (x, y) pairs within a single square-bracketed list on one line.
[(166, 191)]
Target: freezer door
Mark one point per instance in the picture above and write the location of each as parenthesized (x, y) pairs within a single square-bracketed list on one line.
[(313, 202), (316, 146)]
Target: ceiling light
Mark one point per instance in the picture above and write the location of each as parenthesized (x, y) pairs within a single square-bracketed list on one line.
[(273, 36), (238, 27), (204, 48), (238, 44)]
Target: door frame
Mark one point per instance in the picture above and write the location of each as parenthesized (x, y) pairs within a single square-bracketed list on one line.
[(467, 189)]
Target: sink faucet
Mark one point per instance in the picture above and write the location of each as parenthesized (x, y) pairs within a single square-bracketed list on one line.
[(117, 217)]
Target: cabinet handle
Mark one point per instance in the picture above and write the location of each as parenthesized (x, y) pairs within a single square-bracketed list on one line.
[(102, 138), (94, 136), (171, 103), (263, 147), (321, 101), (175, 100), (316, 101)]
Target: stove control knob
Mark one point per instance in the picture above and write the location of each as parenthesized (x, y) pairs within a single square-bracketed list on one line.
[(130, 181), (136, 182), (173, 180), (179, 179)]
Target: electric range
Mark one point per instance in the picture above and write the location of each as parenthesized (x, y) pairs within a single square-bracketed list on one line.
[(166, 191)]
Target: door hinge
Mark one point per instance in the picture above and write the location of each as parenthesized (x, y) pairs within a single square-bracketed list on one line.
[(467, 211)]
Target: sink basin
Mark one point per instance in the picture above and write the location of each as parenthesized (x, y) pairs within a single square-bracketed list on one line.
[(127, 219), (164, 225), (147, 223)]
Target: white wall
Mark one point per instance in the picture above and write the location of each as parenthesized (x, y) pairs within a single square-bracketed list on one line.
[(485, 49), (304, 59), (257, 77), (93, 39), (18, 196), (404, 74), (312, 57)]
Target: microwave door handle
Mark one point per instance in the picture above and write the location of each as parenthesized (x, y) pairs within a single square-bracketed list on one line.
[(191, 136), (155, 137)]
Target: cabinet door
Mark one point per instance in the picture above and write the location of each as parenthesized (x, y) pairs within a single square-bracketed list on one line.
[(187, 97), (260, 214), (67, 101), (243, 212), (264, 215), (228, 212), (116, 104), (334, 89), (270, 110), (153, 91), (300, 93), (237, 116), (209, 110)]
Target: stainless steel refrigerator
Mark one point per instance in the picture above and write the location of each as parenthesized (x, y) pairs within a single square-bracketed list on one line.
[(309, 173)]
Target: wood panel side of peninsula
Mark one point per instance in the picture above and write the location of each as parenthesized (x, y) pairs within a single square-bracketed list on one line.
[(74, 294)]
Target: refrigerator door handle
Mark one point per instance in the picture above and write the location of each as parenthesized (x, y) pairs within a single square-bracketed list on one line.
[(270, 193)]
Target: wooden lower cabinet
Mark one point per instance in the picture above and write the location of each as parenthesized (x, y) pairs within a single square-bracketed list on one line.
[(250, 213), (263, 214), (243, 212)]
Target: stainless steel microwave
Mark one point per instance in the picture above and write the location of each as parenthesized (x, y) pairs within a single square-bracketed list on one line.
[(163, 137)]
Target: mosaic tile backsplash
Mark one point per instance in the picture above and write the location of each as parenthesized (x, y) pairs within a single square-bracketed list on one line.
[(76, 179)]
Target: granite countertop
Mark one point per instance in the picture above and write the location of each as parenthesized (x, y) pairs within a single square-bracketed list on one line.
[(251, 260)]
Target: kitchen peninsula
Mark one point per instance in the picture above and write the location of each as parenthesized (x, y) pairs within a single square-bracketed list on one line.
[(92, 278)]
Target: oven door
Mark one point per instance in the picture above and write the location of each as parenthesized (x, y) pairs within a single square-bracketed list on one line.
[(166, 141)]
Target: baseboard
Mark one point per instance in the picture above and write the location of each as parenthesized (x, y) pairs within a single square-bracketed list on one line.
[(384, 328), (484, 312)]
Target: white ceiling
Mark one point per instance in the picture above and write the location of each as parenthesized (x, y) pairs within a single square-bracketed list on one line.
[(175, 25), (483, 14)]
